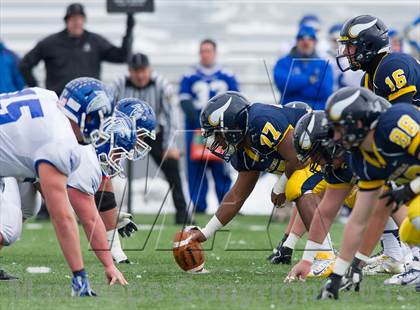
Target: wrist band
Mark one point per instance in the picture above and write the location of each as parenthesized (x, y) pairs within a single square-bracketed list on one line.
[(212, 226), (280, 186)]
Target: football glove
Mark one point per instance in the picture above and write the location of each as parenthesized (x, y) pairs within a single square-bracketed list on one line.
[(353, 277), (399, 195), (125, 225), (80, 286), (331, 287)]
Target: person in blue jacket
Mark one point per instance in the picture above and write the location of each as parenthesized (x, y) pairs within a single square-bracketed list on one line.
[(205, 80), (302, 75), (10, 78)]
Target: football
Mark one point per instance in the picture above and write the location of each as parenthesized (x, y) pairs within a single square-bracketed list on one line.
[(188, 254)]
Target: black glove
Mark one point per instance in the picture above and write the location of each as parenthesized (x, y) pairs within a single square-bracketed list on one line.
[(130, 23), (353, 277), (128, 229), (331, 287), (125, 225), (399, 195)]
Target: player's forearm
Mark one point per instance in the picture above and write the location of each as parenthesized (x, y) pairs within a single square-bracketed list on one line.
[(230, 206), (356, 226), (375, 228), (85, 208), (66, 230)]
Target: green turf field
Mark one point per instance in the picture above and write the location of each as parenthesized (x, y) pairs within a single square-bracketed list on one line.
[(239, 278)]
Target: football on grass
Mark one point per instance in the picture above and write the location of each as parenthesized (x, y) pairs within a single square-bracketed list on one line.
[(188, 254)]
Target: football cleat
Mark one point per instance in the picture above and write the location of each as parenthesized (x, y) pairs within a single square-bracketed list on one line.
[(283, 255), (4, 276), (330, 288), (410, 277), (323, 265), (80, 287), (383, 264)]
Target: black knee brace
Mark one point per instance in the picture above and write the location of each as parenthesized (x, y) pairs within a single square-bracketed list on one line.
[(105, 201)]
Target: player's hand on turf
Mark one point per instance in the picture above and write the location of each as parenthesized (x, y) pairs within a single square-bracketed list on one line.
[(197, 235), (114, 276), (299, 272), (125, 225), (399, 195), (278, 200)]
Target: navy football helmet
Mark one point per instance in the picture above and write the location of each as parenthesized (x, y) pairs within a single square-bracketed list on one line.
[(144, 117), (224, 123), (312, 139), (368, 35), (87, 102), (116, 143), (355, 110), (299, 105)]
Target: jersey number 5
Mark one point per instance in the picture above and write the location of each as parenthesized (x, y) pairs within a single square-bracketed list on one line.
[(399, 80), (13, 109), (265, 138), (407, 129)]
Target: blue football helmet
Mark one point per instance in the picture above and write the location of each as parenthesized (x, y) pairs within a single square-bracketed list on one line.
[(144, 117), (115, 143), (87, 102)]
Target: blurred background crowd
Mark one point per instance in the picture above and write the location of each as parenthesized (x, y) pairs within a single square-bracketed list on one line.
[(182, 55)]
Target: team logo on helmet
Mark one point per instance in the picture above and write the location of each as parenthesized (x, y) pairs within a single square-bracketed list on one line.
[(216, 117), (338, 108), (355, 30)]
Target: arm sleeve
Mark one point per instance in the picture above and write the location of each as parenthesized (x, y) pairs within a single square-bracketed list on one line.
[(29, 61), (284, 77), (111, 53)]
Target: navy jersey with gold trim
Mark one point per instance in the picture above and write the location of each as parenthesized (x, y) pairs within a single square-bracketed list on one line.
[(249, 160), (396, 149), (342, 176), (267, 125), (397, 74)]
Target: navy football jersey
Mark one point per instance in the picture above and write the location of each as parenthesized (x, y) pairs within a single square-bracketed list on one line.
[(248, 160), (342, 176), (396, 74), (269, 124), (396, 152)]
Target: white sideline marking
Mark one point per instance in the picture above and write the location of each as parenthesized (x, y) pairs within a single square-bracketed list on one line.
[(38, 269)]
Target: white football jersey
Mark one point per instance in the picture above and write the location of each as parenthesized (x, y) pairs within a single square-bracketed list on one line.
[(34, 130), (88, 176)]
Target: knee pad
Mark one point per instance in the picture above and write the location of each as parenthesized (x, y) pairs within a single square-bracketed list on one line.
[(105, 201)]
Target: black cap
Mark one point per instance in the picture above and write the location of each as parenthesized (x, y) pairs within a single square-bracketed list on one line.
[(74, 9), (138, 60)]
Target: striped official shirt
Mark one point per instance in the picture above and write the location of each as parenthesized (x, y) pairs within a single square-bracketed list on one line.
[(161, 97)]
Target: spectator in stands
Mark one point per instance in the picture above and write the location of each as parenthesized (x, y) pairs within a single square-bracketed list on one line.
[(10, 77), (74, 52), (145, 84), (205, 81), (341, 79), (302, 75), (395, 40)]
